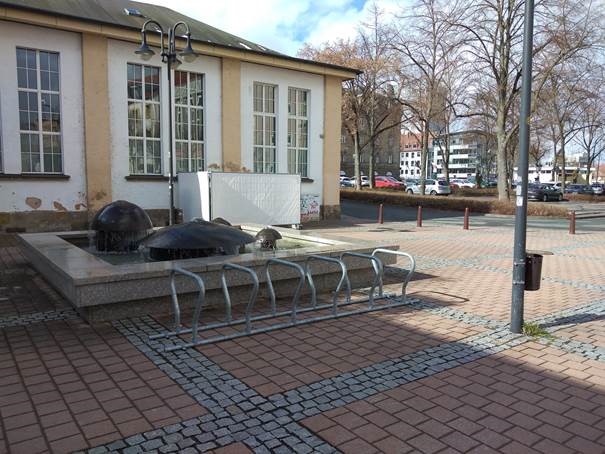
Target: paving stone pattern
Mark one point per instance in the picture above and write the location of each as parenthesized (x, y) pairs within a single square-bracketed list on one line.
[(449, 377)]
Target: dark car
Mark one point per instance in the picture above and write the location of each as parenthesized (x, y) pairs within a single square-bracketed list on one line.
[(578, 189), (543, 192)]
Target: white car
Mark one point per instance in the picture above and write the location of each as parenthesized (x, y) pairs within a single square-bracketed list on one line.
[(462, 183), (432, 187)]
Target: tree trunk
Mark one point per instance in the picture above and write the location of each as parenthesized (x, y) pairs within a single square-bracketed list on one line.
[(501, 158), (371, 162), (563, 171), (424, 156), (357, 160)]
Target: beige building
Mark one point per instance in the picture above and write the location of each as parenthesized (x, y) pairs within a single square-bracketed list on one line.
[(84, 121)]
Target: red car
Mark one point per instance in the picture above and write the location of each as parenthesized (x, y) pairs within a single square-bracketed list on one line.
[(388, 182)]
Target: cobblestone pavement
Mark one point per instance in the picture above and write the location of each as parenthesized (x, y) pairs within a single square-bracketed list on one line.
[(440, 374)]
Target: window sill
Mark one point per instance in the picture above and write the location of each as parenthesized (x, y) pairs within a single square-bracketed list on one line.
[(33, 176), (147, 178), (306, 180)]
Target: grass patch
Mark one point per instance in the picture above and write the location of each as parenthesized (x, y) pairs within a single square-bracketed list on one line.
[(534, 330), (453, 203)]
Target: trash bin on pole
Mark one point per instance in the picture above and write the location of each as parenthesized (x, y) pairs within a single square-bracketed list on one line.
[(533, 271)]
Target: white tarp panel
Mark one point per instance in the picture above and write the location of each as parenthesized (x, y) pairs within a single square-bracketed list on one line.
[(256, 198), (241, 197)]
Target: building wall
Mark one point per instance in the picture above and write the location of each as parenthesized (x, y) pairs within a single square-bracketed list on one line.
[(284, 78), (18, 194), (152, 193), (94, 124)]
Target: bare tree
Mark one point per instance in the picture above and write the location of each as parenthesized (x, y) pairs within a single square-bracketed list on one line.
[(369, 102), (591, 121), (494, 38), (425, 44)]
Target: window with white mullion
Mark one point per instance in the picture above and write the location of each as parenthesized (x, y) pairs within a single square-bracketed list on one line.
[(144, 131), (298, 131), (265, 128), (189, 121), (39, 111)]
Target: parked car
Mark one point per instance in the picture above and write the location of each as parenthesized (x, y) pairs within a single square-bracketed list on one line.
[(432, 187), (386, 182), (347, 182), (461, 183), (598, 188), (578, 189), (543, 192), (411, 181)]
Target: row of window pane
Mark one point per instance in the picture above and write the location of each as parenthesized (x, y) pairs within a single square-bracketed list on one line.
[(143, 82), (39, 110), (189, 121), (265, 122), (51, 152), (298, 131)]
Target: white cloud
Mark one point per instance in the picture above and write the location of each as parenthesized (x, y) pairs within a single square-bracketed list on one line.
[(282, 25)]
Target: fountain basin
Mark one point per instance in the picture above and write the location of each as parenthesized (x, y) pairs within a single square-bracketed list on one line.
[(100, 290)]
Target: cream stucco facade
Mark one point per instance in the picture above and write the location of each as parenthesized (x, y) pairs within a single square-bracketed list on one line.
[(95, 120)]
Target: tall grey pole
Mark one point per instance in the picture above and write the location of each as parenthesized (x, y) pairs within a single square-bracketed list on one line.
[(171, 219), (516, 316)]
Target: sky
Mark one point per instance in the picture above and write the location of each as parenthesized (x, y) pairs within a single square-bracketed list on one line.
[(281, 25)]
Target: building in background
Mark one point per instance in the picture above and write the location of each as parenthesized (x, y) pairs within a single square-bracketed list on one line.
[(84, 121), (409, 156), (469, 151), (386, 146)]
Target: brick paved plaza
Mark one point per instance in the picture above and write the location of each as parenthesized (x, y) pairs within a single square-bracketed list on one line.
[(441, 374)]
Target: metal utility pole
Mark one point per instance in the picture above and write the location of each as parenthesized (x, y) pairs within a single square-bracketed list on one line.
[(516, 316)]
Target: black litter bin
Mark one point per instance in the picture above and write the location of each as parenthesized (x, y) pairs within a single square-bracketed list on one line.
[(533, 271)]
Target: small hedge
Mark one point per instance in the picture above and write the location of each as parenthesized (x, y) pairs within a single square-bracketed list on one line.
[(472, 192), (590, 198), (450, 203)]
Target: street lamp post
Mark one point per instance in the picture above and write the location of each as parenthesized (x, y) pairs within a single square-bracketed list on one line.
[(519, 260), (169, 55)]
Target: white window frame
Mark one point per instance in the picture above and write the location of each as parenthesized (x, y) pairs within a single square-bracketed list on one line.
[(298, 156), (189, 108), (266, 164), (40, 133), (144, 138)]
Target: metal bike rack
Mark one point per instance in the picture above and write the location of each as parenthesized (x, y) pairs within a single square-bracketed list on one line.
[(304, 273), (344, 279), (253, 293), (178, 330), (301, 282), (408, 276), (378, 270)]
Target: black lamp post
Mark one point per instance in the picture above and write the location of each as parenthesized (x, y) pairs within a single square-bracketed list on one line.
[(169, 56)]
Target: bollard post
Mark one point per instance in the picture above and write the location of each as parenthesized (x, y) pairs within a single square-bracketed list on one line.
[(466, 216), (572, 223), (381, 214), (419, 217)]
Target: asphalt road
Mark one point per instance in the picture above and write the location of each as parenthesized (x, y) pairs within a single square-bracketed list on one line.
[(397, 213)]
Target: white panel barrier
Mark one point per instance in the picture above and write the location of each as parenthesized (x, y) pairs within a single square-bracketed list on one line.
[(270, 199)]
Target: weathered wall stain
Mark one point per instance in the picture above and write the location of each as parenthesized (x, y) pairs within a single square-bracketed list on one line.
[(99, 195), (59, 206), (33, 202)]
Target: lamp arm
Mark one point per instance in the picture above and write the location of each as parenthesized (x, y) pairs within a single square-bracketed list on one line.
[(174, 35), (158, 28)]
